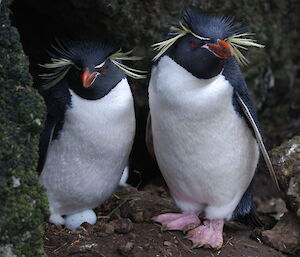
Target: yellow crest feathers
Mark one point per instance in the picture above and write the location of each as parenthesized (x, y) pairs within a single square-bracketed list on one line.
[(237, 41)]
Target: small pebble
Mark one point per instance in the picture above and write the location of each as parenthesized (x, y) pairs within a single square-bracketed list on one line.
[(126, 250), (104, 229), (132, 236), (167, 243), (109, 229), (122, 226), (138, 217)]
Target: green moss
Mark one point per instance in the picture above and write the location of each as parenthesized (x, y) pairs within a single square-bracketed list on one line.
[(23, 213), (23, 204)]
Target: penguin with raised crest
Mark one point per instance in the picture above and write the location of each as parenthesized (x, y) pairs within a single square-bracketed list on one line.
[(205, 132), (89, 130)]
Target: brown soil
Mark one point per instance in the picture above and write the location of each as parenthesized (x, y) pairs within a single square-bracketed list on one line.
[(124, 228)]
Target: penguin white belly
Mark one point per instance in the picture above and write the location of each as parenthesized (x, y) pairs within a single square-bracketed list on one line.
[(85, 163), (204, 149)]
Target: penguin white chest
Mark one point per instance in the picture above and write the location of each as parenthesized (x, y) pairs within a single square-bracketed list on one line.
[(86, 162), (204, 149)]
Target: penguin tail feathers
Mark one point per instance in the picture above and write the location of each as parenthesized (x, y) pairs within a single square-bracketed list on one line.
[(250, 219)]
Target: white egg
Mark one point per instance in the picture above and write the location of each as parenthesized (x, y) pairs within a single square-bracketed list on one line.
[(75, 220)]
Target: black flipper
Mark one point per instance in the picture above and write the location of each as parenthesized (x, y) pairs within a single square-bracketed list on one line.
[(45, 139), (245, 211), (57, 100)]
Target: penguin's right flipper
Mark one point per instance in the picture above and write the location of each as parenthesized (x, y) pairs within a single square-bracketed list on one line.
[(57, 100)]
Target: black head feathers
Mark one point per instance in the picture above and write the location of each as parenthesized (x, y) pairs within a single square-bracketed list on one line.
[(82, 53), (208, 28), (85, 54)]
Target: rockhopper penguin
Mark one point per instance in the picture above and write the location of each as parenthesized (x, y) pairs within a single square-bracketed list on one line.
[(89, 129), (205, 132)]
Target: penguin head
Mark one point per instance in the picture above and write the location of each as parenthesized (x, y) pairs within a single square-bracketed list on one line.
[(85, 78), (201, 43), (90, 69), (204, 60), (203, 56)]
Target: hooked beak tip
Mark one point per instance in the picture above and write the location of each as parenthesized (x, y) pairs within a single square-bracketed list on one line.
[(87, 78), (222, 49)]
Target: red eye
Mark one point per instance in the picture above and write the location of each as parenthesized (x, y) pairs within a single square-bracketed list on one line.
[(103, 71), (193, 44)]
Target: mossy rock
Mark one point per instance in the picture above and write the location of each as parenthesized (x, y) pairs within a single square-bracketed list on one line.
[(286, 162), (23, 204)]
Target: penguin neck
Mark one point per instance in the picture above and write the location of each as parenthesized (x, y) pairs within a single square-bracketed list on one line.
[(185, 81)]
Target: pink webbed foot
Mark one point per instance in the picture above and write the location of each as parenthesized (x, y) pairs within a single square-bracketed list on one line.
[(178, 221), (208, 235)]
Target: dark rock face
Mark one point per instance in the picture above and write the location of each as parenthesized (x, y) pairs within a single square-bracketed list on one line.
[(23, 205)]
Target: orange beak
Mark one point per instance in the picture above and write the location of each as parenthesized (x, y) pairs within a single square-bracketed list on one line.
[(222, 49), (87, 78)]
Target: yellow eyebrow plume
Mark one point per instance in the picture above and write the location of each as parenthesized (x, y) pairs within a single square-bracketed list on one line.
[(133, 73), (237, 41)]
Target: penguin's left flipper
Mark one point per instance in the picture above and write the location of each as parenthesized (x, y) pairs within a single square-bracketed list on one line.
[(248, 114)]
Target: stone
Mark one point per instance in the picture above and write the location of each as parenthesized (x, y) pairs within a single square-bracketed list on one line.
[(126, 250), (122, 226), (275, 207), (286, 162), (138, 216), (285, 236)]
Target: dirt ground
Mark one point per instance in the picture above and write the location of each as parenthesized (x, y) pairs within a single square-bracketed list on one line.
[(124, 228)]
